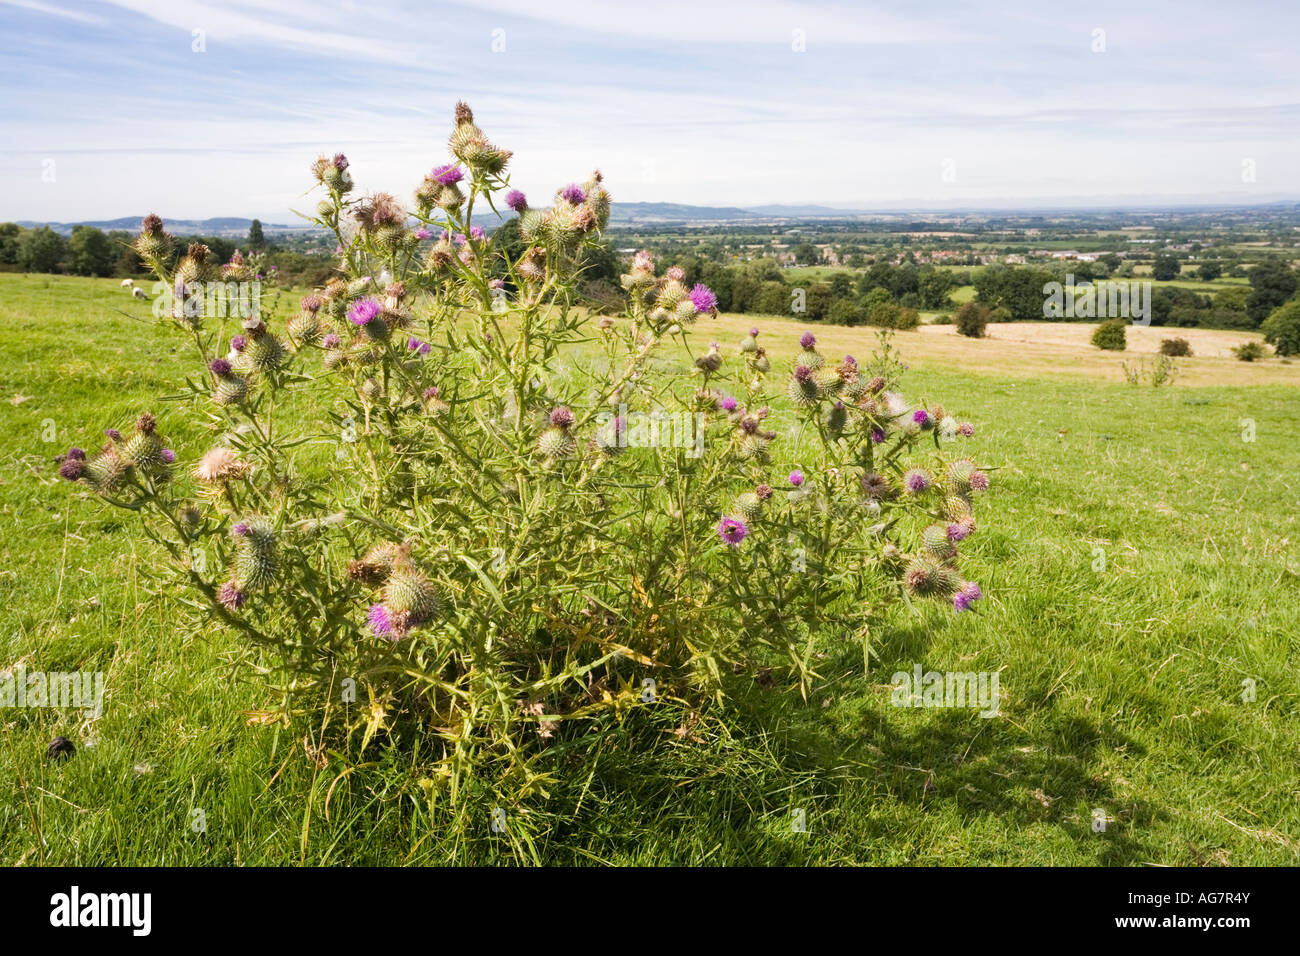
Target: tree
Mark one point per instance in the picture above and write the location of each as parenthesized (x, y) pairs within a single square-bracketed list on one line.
[(255, 238), (1272, 282), (806, 254), (9, 233), (1166, 267), (41, 250), (1282, 329), (1210, 271), (971, 320), (90, 253), (933, 286), (1110, 335)]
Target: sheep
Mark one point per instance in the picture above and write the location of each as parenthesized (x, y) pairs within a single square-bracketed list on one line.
[(127, 283), (139, 293)]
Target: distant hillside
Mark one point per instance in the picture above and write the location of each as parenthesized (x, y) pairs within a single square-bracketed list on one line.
[(667, 212), (228, 226)]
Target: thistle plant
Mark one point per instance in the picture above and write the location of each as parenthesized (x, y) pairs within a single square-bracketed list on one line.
[(421, 482)]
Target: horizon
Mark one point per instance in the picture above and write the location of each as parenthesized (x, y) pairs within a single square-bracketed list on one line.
[(132, 104)]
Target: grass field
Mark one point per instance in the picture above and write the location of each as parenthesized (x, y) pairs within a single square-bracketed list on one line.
[(1138, 555)]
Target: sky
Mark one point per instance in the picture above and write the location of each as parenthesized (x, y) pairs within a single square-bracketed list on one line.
[(195, 109)]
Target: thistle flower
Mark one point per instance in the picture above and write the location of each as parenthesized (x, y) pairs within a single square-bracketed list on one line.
[(448, 174), (711, 360), (877, 435), (796, 478), (704, 299), (421, 348), (422, 233), (877, 487), (807, 340), (232, 596), (967, 594), (749, 344), (331, 341), (168, 456), (959, 531), (979, 481), (966, 429), (379, 621), (516, 200), (916, 480), (238, 343), (562, 417), (220, 465), (922, 418), (727, 404), (732, 531), (364, 311), (72, 468), (573, 193), (113, 434)]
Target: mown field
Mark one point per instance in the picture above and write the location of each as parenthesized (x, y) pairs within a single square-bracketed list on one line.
[(1138, 556)]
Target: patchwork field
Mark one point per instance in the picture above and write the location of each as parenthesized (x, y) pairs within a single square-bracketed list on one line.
[(1138, 553)]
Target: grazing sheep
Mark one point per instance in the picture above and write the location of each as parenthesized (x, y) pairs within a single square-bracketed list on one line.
[(127, 283), (139, 293)]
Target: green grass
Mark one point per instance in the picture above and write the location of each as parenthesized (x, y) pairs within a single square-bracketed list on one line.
[(1122, 686)]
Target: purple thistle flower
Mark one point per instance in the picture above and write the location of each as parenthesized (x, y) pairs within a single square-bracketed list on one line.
[(231, 595), (364, 311), (113, 433), (916, 480), (451, 173), (979, 481), (516, 200), (241, 530), (168, 455), (476, 232), (802, 372), (331, 341), (796, 477), (959, 531), (877, 435), (76, 454), (340, 161), (921, 416), (753, 333), (379, 621), (423, 348), (432, 392), (422, 233), (238, 342), (807, 340), (728, 404), (72, 468), (460, 239), (966, 595), (573, 193), (966, 429), (732, 531), (562, 417), (703, 298), (219, 367)]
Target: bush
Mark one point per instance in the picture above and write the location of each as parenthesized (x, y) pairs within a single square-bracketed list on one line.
[(971, 320), (1250, 351), (430, 493), (1111, 335), (1175, 348), (1282, 329)]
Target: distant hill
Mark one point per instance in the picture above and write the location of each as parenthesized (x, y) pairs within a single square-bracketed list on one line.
[(677, 212), (228, 226)]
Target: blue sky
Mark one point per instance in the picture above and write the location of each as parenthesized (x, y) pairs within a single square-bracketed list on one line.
[(108, 109)]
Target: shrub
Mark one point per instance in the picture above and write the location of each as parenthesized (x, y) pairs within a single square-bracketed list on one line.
[(1111, 335), (1250, 351), (1000, 314), (1176, 347), (1282, 329), (971, 320), (488, 549)]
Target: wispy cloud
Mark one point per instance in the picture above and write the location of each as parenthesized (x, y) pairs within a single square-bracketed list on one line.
[(197, 108)]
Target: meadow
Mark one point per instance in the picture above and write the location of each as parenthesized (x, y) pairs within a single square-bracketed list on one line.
[(1138, 556)]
